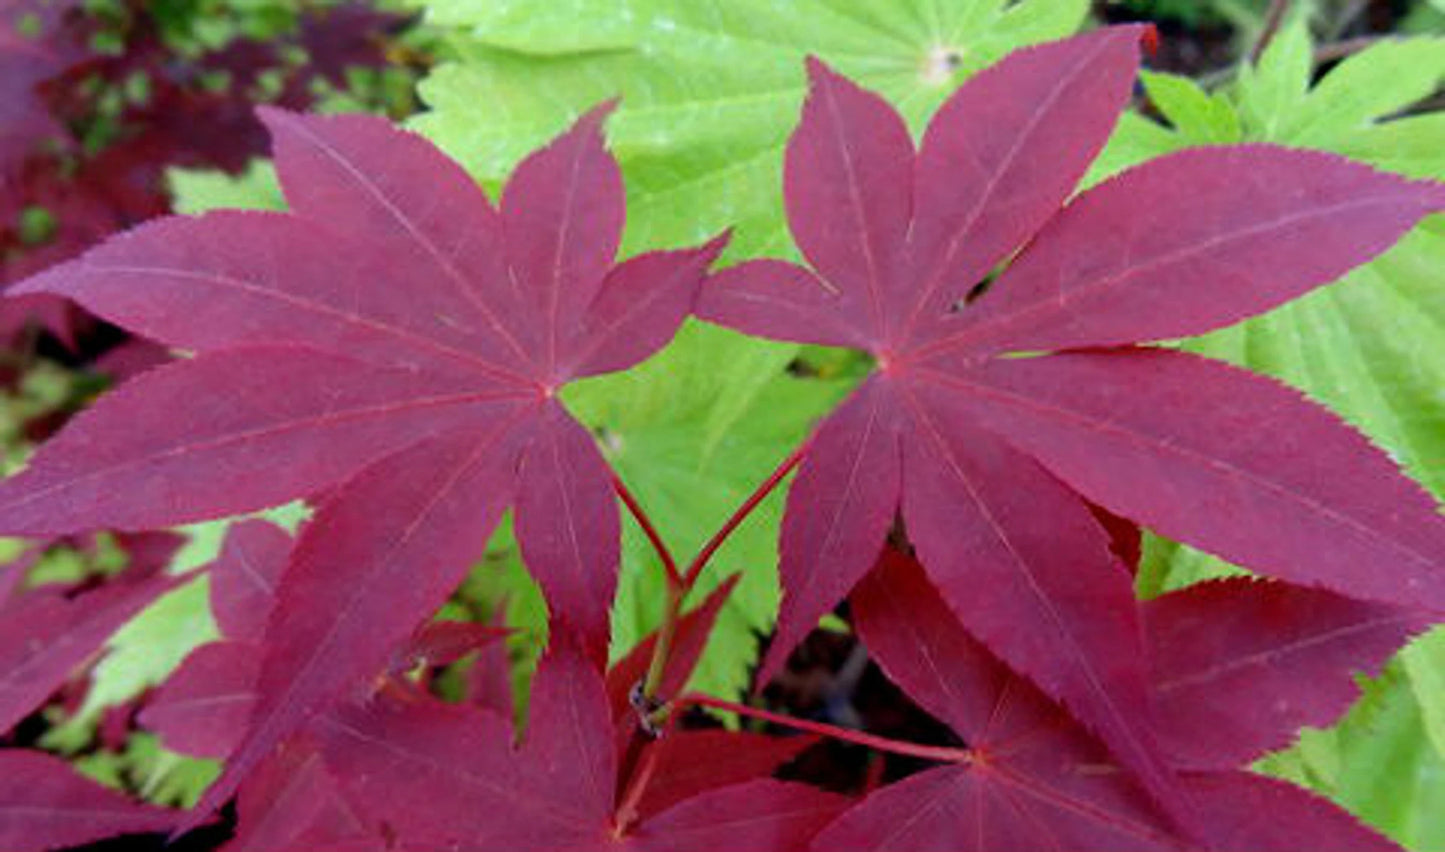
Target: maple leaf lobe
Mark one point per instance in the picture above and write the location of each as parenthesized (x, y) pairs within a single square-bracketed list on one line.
[(399, 341), (895, 239)]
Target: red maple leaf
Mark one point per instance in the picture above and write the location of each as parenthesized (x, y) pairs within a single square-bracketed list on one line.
[(1238, 666), (439, 776), (395, 342), (203, 707), (1030, 777), (46, 804), (987, 456), (292, 802), (45, 635)]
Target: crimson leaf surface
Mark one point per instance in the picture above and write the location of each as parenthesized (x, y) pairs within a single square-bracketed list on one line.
[(394, 343), (1030, 776), (989, 458), (447, 776)]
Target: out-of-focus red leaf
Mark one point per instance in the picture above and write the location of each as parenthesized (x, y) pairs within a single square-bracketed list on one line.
[(442, 643), (489, 681), (50, 60), (1126, 538), (346, 35), (44, 636), (203, 707), (45, 804), (446, 776), (131, 358)]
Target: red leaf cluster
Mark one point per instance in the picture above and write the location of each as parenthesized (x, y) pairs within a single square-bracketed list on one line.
[(391, 350), (54, 80)]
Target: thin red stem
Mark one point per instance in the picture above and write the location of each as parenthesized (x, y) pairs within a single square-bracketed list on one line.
[(674, 578), (677, 591), (627, 812), (637, 781), (694, 570), (939, 753)]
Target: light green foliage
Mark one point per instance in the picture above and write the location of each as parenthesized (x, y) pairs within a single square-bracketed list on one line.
[(44, 390), (149, 770), (1373, 764), (1195, 113), (1270, 93), (198, 190), (1372, 347), (146, 650), (1424, 665), (165, 777), (1351, 110), (692, 432), (710, 89)]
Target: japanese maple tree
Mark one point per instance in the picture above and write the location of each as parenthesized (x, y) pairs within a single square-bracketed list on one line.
[(984, 458), (391, 350), (399, 341)]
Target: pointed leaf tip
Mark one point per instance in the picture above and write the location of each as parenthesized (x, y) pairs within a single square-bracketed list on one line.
[(273, 115), (821, 74), (594, 119), (714, 247), (1435, 195), (818, 70), (1150, 39), (279, 120)]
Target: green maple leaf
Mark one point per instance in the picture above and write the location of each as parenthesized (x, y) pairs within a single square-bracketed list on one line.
[(710, 88)]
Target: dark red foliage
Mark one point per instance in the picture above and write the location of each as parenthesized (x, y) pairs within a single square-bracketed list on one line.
[(424, 386), (1031, 777), (45, 634), (391, 350), (447, 776), (993, 461), (52, 80), (46, 804)]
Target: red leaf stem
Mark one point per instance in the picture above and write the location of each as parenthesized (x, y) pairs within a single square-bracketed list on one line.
[(674, 578), (943, 754), (706, 554)]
